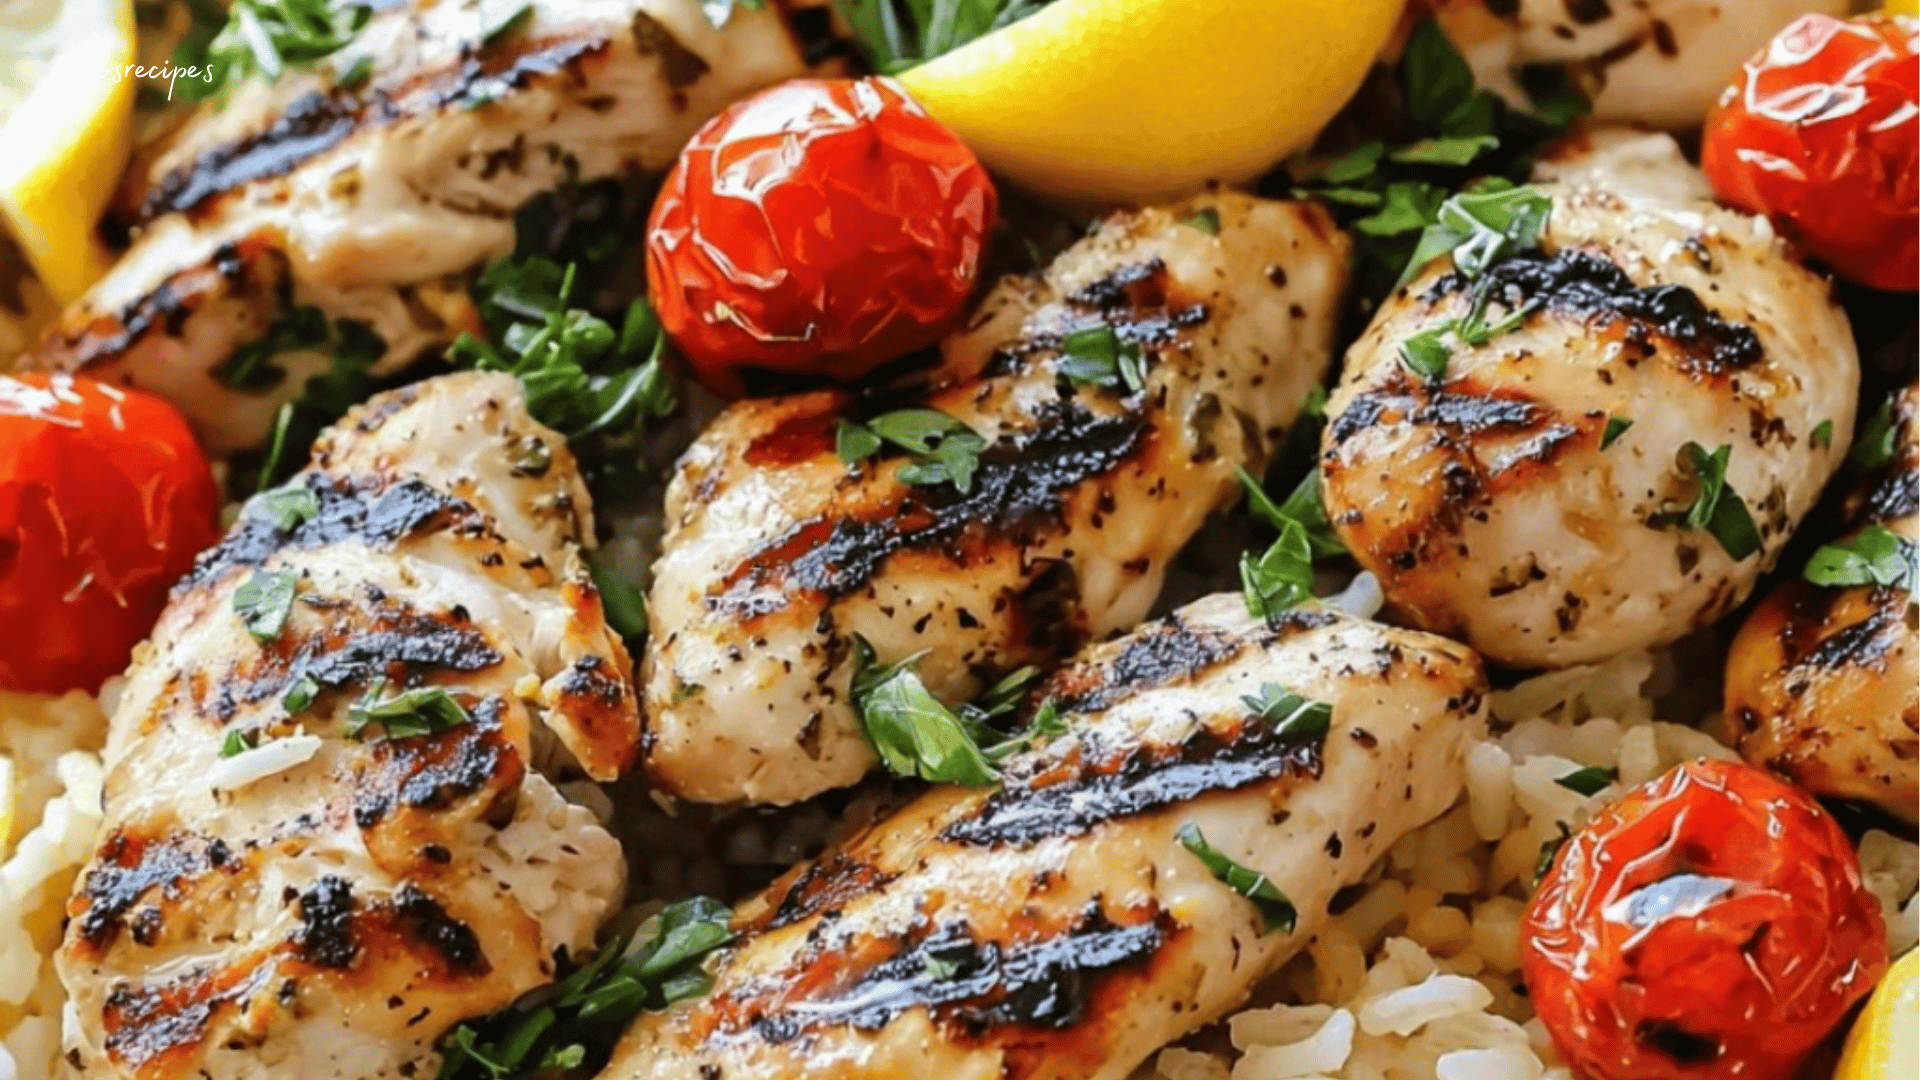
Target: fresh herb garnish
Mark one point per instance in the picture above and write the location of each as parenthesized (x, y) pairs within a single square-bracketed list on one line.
[(942, 449), (625, 605), (251, 366), (1876, 556), (911, 730), (1549, 851), (1717, 508), (1095, 356), (264, 601), (1481, 227), (237, 742), (1822, 435), (1282, 576), (286, 507), (1206, 219), (268, 37), (1876, 443), (575, 1023), (1427, 352), (898, 34), (1616, 427), (1304, 507), (1293, 717), (348, 381), (424, 710), (1276, 911), (1588, 781), (1455, 150), (300, 695)]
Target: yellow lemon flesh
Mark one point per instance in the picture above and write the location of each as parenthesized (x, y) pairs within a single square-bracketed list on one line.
[(1884, 1040), (1904, 7), (6, 804), (66, 114), (1132, 100)]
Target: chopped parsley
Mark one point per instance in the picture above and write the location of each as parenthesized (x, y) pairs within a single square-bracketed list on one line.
[(575, 1023), (1717, 508), (1588, 781), (1427, 352), (1303, 507), (911, 730), (1477, 228), (1877, 441), (1276, 911), (1293, 717), (1281, 577), (1207, 220), (424, 710), (1549, 851), (300, 695), (625, 605), (264, 601), (1095, 356), (941, 448), (895, 35), (1823, 435), (1616, 427), (237, 742), (268, 37), (1876, 556), (286, 507), (354, 348)]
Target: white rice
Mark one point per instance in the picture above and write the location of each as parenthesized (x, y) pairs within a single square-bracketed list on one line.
[(1419, 978), (55, 816)]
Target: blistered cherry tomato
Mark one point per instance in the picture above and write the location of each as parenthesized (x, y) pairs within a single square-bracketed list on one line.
[(1711, 925), (1819, 134), (105, 499), (817, 231)]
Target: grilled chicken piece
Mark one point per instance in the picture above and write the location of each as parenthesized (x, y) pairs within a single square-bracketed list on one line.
[(375, 203), (777, 553), (1656, 63), (1055, 927), (1492, 506), (1823, 684), (327, 904)]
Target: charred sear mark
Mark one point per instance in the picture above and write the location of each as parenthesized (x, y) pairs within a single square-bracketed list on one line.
[(233, 268), (129, 867), (1139, 285), (1587, 286), (324, 937), (1134, 301), (1170, 650), (1812, 643), (828, 883), (387, 640), (1463, 415), (312, 125), (1073, 800), (434, 772), (420, 920), (973, 987), (152, 1023), (1016, 493), (367, 510), (1895, 494)]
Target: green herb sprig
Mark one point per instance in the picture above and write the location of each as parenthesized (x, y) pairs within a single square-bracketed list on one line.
[(1095, 356), (1717, 508), (1876, 556), (264, 601), (941, 448), (911, 730), (895, 35), (1588, 781), (1276, 911), (424, 710), (268, 37), (1294, 717)]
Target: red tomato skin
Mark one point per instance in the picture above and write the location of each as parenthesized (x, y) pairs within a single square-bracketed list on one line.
[(1737, 986), (1819, 133), (105, 499), (817, 231)]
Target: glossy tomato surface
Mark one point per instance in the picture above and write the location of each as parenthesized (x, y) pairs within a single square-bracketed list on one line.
[(816, 231), (105, 499), (1711, 925), (1820, 133)]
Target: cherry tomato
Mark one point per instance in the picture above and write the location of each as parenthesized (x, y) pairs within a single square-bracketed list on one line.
[(105, 499), (1711, 925), (816, 230), (1819, 134)]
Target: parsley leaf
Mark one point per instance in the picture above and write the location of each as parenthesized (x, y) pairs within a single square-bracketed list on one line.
[(574, 1023), (855, 442), (1457, 150), (1427, 352), (354, 348), (1876, 443), (424, 710), (1280, 578), (898, 34), (1207, 220), (237, 742), (1717, 508), (286, 507), (264, 601), (911, 730), (1479, 228), (625, 605), (1822, 437), (1276, 911), (1304, 507), (1876, 556), (1095, 356), (270, 36), (1292, 716), (1589, 781), (941, 448), (300, 695), (1616, 427)]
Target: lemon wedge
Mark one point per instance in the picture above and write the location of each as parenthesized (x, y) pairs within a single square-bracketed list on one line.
[(1888, 1031), (66, 118), (1123, 101), (6, 804)]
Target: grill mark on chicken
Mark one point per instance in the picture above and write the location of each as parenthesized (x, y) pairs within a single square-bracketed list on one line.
[(325, 935), (1863, 644), (823, 885), (253, 264), (390, 640), (994, 988), (372, 510), (317, 122), (419, 918), (432, 772), (1588, 286), (147, 1024), (129, 868), (1017, 490), (1049, 804), (1172, 650), (1136, 301)]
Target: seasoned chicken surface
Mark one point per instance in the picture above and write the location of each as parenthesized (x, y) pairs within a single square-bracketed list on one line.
[(1823, 683), (1496, 506), (327, 903), (1055, 926), (376, 202), (778, 553), (1656, 63)]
